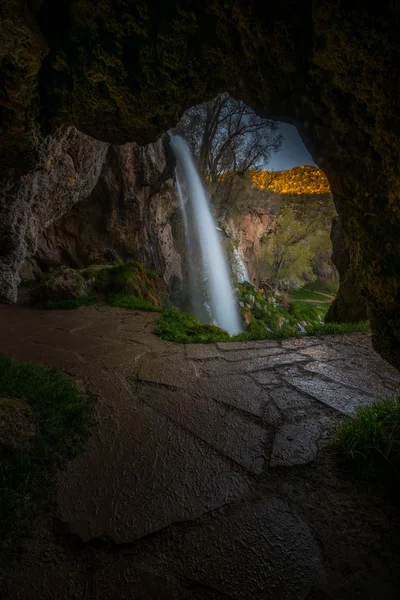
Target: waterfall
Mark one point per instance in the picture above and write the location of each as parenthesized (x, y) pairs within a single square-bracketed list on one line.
[(183, 209), (241, 268), (221, 299)]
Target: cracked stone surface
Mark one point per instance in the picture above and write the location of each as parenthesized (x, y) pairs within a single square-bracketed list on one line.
[(207, 474)]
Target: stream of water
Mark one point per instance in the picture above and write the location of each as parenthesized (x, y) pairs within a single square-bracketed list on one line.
[(221, 300)]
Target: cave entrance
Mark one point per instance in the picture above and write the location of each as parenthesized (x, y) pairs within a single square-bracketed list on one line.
[(272, 206)]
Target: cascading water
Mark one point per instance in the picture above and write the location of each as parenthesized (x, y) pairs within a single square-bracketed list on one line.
[(222, 303), (241, 272)]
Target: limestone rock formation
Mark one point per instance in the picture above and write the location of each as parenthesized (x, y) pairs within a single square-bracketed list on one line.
[(130, 214), (349, 305), (249, 231), (67, 171), (122, 71)]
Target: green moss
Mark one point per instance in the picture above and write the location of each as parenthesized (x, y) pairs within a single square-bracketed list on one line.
[(61, 415), (124, 301), (370, 441), (128, 279), (183, 328)]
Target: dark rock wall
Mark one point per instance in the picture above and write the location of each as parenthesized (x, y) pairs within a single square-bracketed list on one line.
[(67, 171), (124, 71), (349, 305)]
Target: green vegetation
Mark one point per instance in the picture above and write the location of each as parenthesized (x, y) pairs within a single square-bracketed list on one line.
[(61, 417), (124, 301), (128, 285), (183, 328), (370, 441), (308, 312)]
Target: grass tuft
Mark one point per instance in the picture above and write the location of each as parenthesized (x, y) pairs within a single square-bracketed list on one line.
[(370, 440), (61, 417)]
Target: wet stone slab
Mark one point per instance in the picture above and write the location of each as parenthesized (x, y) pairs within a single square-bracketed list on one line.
[(286, 397), (266, 377), (202, 351), (334, 395), (321, 352), (256, 345), (258, 363), (296, 443), (151, 475), (167, 370), (358, 378), (230, 433), (239, 391), (261, 550)]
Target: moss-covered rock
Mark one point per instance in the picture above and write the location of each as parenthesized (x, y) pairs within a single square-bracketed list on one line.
[(126, 284), (63, 288)]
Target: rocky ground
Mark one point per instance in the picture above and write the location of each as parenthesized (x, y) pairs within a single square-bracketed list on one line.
[(209, 472)]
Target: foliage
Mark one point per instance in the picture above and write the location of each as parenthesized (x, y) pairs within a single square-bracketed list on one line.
[(305, 180), (61, 415), (125, 301), (227, 135), (234, 194), (266, 313), (287, 256), (311, 313), (371, 440)]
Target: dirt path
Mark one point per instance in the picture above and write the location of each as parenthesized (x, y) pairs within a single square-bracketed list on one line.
[(208, 473), (331, 298), (310, 301)]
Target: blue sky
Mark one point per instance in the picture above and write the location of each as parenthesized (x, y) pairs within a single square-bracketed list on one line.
[(293, 153)]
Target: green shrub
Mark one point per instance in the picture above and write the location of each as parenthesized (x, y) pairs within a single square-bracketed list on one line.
[(61, 416), (371, 440)]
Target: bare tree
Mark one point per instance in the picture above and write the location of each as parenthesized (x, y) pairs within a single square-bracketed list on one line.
[(227, 137)]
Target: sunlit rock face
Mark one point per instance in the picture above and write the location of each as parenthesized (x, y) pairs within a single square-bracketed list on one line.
[(122, 71), (249, 231)]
